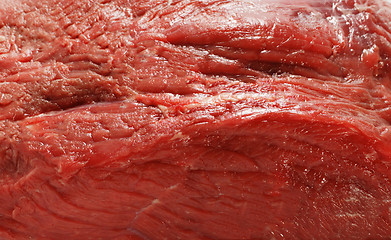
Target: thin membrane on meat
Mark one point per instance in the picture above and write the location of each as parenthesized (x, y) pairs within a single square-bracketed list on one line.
[(195, 119)]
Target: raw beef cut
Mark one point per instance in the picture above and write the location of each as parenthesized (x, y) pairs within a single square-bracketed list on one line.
[(195, 119)]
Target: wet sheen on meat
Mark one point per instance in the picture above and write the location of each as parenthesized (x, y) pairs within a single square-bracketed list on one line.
[(195, 119)]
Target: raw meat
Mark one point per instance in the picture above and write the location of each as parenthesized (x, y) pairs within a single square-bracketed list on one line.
[(195, 119)]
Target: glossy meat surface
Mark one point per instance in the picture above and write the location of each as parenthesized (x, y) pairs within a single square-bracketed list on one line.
[(183, 119)]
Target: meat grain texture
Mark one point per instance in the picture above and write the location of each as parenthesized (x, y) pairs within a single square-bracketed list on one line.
[(195, 119)]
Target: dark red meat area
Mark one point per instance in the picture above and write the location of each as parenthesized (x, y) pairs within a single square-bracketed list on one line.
[(182, 119)]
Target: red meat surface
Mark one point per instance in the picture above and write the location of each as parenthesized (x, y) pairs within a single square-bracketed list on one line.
[(195, 119)]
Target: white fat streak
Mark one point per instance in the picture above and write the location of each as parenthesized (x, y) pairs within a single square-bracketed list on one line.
[(236, 97), (154, 202), (31, 127), (350, 215), (180, 136)]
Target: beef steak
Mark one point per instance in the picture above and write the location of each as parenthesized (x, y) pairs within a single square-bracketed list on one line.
[(195, 119)]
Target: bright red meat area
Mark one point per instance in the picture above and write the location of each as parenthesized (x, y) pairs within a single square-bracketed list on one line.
[(195, 119)]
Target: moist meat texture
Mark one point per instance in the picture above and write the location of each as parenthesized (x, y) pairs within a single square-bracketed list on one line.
[(195, 119)]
